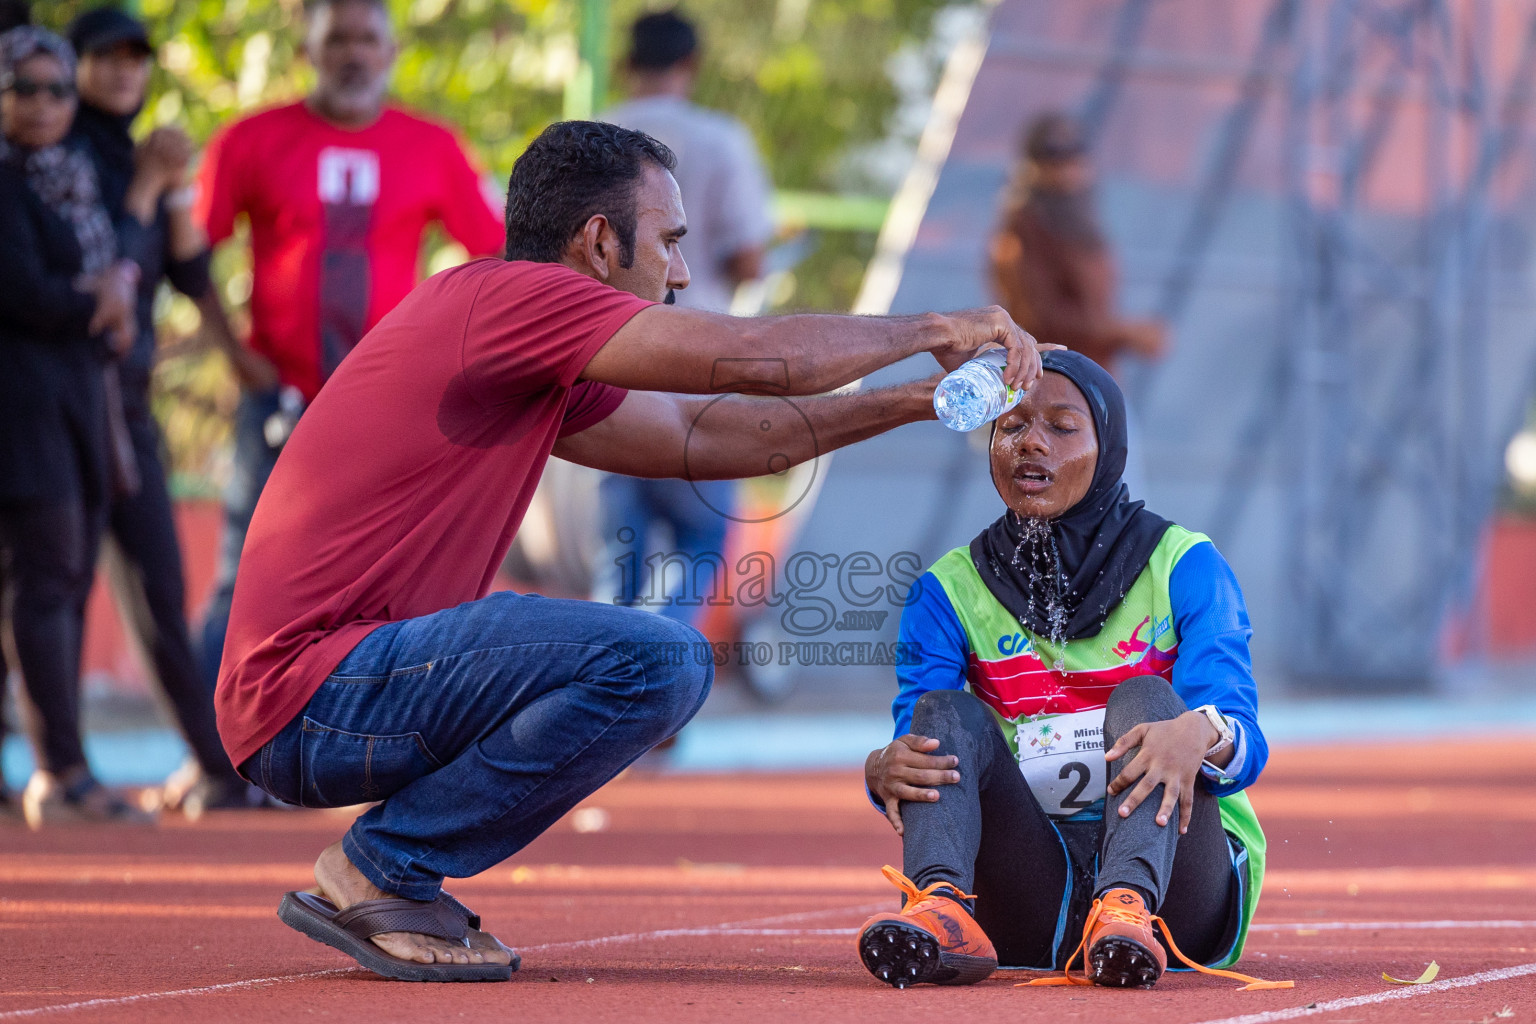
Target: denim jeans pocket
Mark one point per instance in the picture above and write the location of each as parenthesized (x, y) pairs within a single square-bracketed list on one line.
[(340, 768)]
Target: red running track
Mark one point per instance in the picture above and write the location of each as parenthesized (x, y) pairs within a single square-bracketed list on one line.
[(702, 900)]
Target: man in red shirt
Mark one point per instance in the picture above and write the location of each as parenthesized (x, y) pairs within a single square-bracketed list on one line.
[(365, 660), (338, 190)]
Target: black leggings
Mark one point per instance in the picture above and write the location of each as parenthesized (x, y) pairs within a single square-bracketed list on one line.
[(144, 570), (52, 549), (988, 835), (49, 549)]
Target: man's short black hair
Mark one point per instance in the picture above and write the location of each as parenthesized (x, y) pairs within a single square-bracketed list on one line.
[(658, 41), (574, 171)]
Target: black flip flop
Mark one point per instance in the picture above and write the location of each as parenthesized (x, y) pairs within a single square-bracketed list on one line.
[(351, 932)]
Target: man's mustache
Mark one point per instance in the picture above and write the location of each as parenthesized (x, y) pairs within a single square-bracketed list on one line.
[(671, 299)]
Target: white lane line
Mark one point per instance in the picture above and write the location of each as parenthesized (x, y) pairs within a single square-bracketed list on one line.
[(1283, 928), (728, 928), (1371, 926), (1390, 995), (228, 986), (757, 931)]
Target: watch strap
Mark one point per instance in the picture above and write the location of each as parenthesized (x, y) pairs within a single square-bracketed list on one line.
[(1225, 735)]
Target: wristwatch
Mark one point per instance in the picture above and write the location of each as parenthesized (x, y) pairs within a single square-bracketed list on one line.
[(181, 198), (1224, 737)]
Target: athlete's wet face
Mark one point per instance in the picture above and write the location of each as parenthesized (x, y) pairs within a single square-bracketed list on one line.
[(660, 224), (352, 48), (1044, 450)]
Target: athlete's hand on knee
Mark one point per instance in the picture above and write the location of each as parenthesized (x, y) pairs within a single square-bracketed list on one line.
[(1169, 756), (907, 769)]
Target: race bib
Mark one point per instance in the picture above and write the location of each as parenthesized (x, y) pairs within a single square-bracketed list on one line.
[(1062, 758)]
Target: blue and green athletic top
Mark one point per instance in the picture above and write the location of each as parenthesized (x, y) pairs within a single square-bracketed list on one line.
[(1183, 619)]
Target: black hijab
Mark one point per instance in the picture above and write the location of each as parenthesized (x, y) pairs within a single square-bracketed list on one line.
[(62, 177), (1063, 578)]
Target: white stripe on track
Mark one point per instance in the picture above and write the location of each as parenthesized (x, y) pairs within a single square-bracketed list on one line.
[(228, 986), (1371, 926), (1390, 995), (728, 928)]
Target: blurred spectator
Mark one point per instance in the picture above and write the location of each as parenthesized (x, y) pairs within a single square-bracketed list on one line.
[(1051, 266), (67, 306), (725, 192), (145, 191), (12, 14), (338, 190)]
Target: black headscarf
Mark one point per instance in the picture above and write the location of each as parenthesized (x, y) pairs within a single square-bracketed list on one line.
[(1082, 563), (62, 177)]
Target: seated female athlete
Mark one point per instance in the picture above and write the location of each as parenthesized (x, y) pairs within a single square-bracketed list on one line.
[(1046, 779)]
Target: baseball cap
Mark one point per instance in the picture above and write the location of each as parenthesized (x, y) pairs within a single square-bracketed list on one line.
[(106, 27)]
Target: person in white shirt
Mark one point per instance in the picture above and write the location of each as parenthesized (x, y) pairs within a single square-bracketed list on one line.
[(729, 225)]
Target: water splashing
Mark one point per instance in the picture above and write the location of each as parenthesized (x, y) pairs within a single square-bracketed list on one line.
[(1037, 555)]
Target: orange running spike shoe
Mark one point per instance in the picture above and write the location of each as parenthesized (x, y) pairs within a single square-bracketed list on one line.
[(933, 939), (1123, 951)]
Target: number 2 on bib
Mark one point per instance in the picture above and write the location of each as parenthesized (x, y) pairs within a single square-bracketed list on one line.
[(1084, 776), (1062, 758)]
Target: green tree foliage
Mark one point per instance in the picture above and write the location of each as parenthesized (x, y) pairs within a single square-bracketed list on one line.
[(809, 77)]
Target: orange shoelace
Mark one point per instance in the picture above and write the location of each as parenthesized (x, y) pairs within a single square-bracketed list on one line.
[(912, 892), (1108, 913)]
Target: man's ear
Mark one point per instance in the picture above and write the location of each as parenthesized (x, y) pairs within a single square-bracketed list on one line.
[(600, 247)]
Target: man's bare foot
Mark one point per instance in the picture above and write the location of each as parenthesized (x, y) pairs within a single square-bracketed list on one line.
[(340, 882)]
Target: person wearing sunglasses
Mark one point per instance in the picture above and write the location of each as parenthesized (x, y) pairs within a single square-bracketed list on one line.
[(65, 311)]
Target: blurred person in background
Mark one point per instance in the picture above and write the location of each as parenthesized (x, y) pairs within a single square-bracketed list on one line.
[(13, 13), (1052, 267), (145, 190), (66, 310), (339, 189), (729, 226)]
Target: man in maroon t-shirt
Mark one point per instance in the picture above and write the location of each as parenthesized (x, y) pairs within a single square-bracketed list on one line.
[(365, 661)]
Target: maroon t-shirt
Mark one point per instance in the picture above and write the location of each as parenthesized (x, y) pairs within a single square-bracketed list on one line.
[(401, 488)]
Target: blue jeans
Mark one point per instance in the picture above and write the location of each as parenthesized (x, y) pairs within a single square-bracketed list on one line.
[(253, 463), (479, 726), (696, 512)]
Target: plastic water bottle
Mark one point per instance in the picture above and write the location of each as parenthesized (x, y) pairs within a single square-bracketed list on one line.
[(975, 393)]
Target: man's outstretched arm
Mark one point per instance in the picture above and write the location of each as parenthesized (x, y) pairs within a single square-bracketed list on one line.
[(668, 348), (653, 434)]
